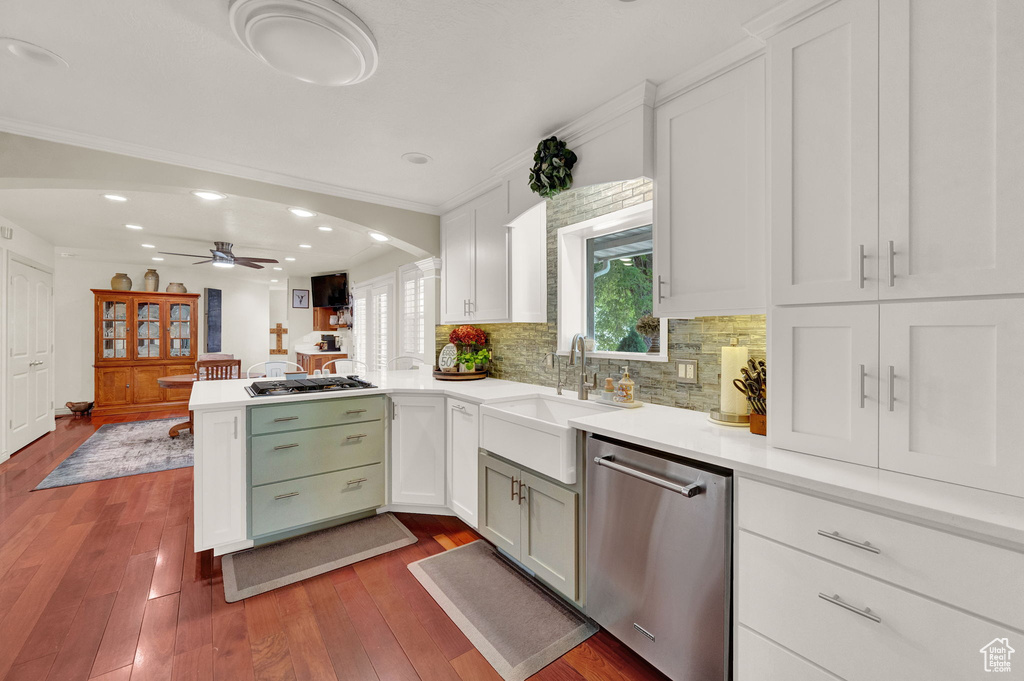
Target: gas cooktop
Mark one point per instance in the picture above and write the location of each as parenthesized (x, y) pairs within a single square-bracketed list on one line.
[(306, 385)]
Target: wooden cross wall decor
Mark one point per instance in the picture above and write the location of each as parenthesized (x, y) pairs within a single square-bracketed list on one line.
[(279, 331)]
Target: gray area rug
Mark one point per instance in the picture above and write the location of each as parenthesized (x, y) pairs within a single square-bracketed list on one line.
[(118, 450), (252, 572), (516, 625)]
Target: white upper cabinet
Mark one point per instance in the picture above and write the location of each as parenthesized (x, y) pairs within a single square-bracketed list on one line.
[(458, 232), (824, 391), (952, 373), (490, 300), (709, 230), (951, 141), (824, 167)]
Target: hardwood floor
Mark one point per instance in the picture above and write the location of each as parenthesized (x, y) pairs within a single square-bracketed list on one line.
[(97, 581)]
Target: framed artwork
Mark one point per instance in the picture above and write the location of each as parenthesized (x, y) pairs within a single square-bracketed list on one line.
[(214, 312), (300, 297)]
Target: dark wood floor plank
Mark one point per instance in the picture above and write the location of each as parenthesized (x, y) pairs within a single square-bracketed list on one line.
[(339, 633), (559, 670), (78, 653), (471, 666), (305, 644), (388, 658), (121, 636), (194, 616), (167, 578), (34, 670), (111, 569), (262, 618), (12, 585), (13, 549), (122, 674), (75, 584), (154, 655), (271, 660), (194, 665), (232, 660), (149, 536), (49, 632)]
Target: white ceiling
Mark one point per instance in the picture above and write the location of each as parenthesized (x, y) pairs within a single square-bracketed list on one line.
[(82, 222), (468, 82)]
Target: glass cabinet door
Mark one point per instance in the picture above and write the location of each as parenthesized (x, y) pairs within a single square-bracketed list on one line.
[(115, 329), (179, 337), (147, 335)]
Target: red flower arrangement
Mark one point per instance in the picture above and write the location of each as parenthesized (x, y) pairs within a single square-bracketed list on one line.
[(467, 335)]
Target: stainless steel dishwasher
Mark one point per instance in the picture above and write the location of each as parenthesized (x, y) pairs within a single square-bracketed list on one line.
[(659, 546)]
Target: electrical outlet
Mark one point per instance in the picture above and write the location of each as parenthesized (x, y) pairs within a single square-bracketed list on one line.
[(687, 370)]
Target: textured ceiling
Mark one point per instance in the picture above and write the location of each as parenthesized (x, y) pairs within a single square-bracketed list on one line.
[(469, 82)]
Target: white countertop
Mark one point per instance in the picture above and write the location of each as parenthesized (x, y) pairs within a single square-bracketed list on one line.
[(687, 433)]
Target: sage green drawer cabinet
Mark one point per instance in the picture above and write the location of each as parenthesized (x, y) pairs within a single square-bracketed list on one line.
[(532, 519), (296, 454), (277, 418), (286, 505)]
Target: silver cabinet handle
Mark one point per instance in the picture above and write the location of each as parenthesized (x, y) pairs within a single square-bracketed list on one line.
[(285, 496), (352, 412), (356, 481), (356, 437), (661, 282), (688, 491), (521, 495), (863, 376), (892, 388), (460, 407), (836, 600), (286, 418), (280, 447), (860, 260), (849, 542), (892, 264), (513, 489), (236, 427)]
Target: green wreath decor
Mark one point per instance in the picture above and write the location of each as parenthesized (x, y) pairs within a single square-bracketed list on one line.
[(552, 168)]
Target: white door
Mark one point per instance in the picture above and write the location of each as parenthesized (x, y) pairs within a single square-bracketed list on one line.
[(823, 392), (417, 450), (457, 247), (463, 459), (709, 223), (951, 409), (824, 168), (489, 301), (30, 358), (951, 111)]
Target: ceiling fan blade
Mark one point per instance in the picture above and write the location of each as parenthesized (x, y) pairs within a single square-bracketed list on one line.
[(203, 262), (184, 255), (237, 258), (249, 264)]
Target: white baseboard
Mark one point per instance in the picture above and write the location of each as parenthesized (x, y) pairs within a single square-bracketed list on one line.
[(416, 508)]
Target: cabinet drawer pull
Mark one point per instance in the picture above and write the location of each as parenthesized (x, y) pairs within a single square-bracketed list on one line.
[(279, 447), (285, 496), (459, 407), (892, 264), (513, 497), (355, 411), (865, 613), (861, 265), (356, 481), (863, 376), (286, 418), (839, 538), (892, 388), (356, 437), (661, 283)]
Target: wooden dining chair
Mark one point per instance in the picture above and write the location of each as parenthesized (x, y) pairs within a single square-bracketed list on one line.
[(218, 369)]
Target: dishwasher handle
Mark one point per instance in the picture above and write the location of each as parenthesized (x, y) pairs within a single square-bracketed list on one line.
[(691, 490)]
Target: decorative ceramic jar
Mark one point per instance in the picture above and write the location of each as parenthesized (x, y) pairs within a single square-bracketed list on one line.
[(120, 282), (152, 280), (174, 287)]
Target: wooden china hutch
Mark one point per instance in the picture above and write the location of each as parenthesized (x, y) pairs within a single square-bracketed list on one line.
[(139, 337)]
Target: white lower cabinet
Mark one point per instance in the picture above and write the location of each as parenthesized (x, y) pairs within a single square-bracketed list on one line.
[(533, 520), (758, 659), (463, 421), (418, 450), (219, 479)]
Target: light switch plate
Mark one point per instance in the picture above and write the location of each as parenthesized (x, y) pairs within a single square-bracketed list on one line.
[(687, 371)]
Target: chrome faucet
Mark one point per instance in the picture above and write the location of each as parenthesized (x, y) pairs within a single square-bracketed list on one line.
[(558, 363), (579, 344)]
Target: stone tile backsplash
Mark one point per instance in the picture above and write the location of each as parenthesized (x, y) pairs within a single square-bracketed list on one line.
[(519, 349)]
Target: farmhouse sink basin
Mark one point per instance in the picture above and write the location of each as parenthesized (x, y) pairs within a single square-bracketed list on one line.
[(534, 432)]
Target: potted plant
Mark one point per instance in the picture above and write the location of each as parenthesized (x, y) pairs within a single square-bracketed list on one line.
[(469, 341), (473, 360), (552, 168)]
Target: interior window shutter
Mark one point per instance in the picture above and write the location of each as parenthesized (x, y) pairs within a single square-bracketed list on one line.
[(411, 316)]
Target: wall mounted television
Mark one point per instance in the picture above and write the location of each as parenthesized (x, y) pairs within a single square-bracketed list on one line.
[(330, 290)]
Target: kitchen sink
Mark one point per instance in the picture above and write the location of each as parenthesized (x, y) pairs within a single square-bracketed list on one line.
[(534, 432)]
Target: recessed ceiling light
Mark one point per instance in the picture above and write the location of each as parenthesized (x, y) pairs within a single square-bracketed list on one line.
[(208, 195), (273, 281), (290, 259), (134, 226), (30, 52), (315, 41), (416, 158), (301, 212), (115, 197), (278, 269), (378, 236), (158, 259), (224, 264), (148, 246), (305, 246), (325, 228)]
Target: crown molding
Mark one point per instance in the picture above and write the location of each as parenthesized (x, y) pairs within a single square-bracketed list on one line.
[(97, 143), (468, 195), (747, 49), (783, 16)]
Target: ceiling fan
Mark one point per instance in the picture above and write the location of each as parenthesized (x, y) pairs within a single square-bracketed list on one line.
[(223, 257)]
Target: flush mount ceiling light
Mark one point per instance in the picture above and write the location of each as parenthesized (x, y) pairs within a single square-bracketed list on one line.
[(115, 197), (301, 212), (290, 259), (315, 41), (377, 236), (278, 269), (31, 53), (325, 228), (208, 195), (148, 246), (416, 158), (133, 226), (158, 259)]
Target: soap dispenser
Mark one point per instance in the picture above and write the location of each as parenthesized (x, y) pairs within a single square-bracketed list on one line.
[(624, 391)]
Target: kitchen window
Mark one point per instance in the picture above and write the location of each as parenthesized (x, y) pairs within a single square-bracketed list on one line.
[(372, 321), (606, 286), (412, 316)]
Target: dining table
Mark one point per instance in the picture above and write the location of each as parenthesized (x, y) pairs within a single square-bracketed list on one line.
[(185, 381)]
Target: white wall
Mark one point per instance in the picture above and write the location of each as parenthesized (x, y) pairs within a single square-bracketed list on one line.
[(246, 316), (371, 269), (300, 320)]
